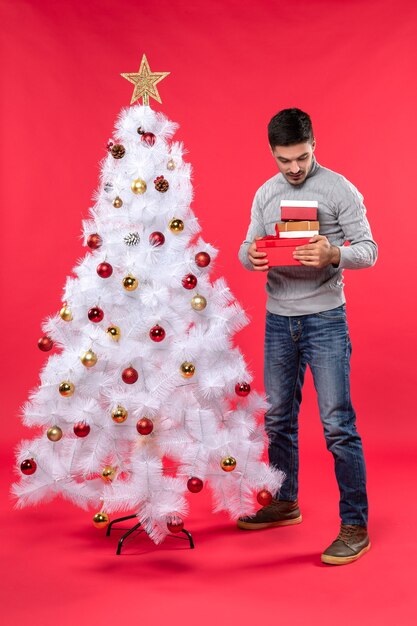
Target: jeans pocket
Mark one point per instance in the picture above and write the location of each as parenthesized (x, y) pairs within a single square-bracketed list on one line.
[(339, 313)]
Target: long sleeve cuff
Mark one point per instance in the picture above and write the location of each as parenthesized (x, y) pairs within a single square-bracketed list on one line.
[(243, 256), (358, 256)]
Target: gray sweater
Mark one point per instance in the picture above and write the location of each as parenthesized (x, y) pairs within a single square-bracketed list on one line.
[(301, 290)]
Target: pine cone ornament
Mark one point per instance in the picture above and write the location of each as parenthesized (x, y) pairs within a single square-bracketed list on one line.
[(161, 184), (117, 151), (132, 239)]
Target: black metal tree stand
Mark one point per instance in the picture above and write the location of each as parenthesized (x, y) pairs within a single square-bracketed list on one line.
[(137, 527)]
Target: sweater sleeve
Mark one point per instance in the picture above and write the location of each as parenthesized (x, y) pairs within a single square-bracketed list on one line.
[(351, 215), (256, 228)]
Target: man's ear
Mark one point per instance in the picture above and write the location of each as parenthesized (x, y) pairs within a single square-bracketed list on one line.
[(313, 145)]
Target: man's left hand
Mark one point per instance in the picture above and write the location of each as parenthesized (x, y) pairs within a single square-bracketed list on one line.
[(317, 253)]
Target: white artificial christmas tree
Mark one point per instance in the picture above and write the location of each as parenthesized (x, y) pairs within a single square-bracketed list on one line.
[(147, 395)]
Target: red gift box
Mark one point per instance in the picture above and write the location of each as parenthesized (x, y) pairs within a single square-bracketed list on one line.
[(298, 210), (279, 251)]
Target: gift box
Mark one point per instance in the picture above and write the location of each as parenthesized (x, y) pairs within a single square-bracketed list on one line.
[(291, 230), (298, 209), (294, 234), (283, 227), (279, 251)]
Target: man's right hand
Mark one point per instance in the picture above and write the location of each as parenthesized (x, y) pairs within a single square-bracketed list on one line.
[(259, 260)]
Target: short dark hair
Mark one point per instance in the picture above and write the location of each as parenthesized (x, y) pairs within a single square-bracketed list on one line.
[(290, 126)]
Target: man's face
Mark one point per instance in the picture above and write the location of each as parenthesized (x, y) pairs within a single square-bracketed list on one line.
[(294, 162)]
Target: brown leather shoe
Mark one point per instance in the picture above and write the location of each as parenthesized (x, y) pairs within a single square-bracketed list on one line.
[(278, 513), (351, 543)]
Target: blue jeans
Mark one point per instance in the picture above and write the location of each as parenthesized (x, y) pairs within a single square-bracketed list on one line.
[(320, 340)]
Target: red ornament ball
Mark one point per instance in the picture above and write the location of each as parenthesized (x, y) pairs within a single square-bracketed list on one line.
[(94, 241), (28, 467), (242, 389), (144, 426), (157, 333), (95, 314), (81, 429), (104, 270), (175, 526), (194, 484), (264, 497), (130, 375), (149, 138), (202, 259), (189, 281), (45, 344), (156, 239)]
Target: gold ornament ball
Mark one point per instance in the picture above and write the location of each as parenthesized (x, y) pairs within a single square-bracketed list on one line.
[(198, 302), (187, 369), (54, 433), (100, 520), (117, 202), (176, 225), (108, 473), (66, 389), (65, 313), (114, 332), (119, 414), (89, 359), (138, 186), (171, 165), (130, 283), (228, 464)]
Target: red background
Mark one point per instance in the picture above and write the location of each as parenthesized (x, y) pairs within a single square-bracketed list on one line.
[(233, 64)]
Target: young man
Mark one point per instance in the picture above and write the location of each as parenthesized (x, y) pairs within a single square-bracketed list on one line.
[(306, 325)]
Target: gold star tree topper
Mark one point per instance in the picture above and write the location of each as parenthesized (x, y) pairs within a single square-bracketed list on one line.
[(145, 83)]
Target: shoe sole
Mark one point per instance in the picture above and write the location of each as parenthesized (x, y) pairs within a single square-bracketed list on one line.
[(343, 560), (260, 525)]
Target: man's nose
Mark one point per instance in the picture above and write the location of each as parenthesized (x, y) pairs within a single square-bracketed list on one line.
[(294, 167)]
